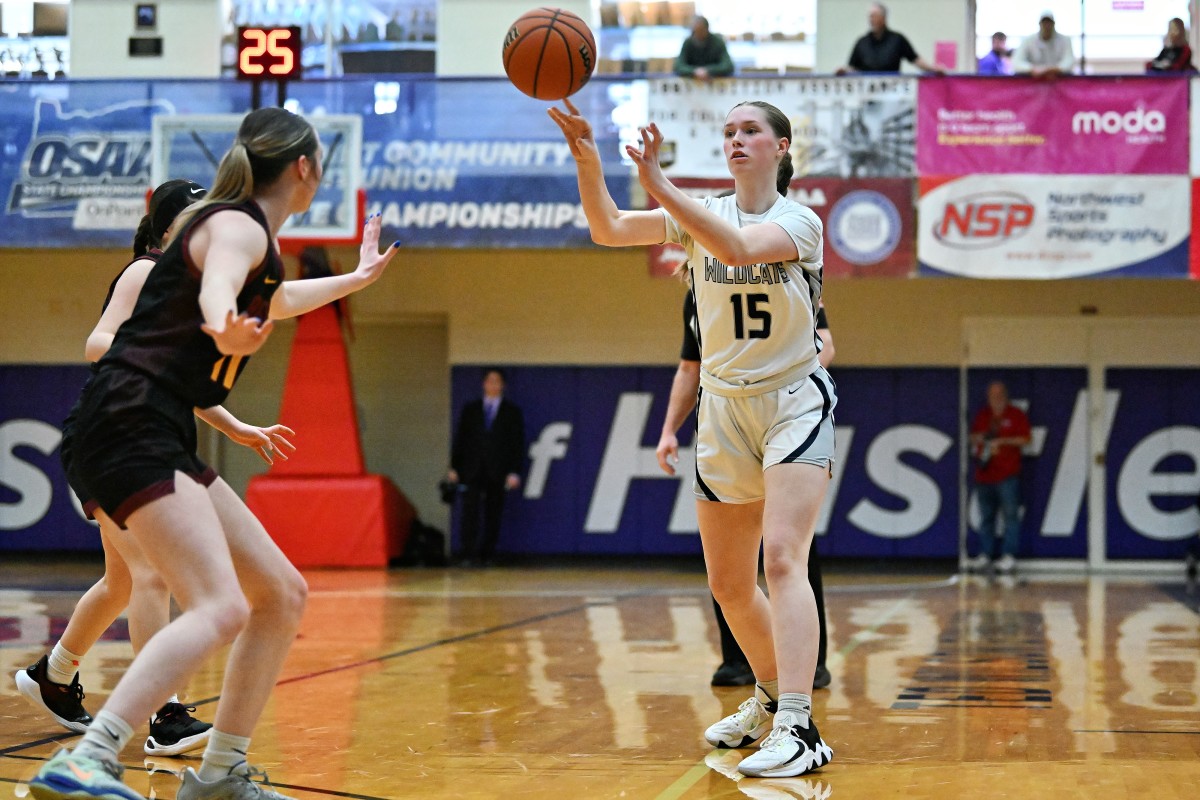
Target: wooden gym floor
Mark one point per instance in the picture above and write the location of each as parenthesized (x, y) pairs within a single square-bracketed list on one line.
[(543, 682)]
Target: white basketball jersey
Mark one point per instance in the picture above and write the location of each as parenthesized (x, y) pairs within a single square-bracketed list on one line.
[(756, 322)]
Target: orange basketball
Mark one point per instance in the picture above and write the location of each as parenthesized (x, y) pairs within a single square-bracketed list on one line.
[(549, 53)]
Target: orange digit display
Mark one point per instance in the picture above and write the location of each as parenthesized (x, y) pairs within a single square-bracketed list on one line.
[(269, 53)]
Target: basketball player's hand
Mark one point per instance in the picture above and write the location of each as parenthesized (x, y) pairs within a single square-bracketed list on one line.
[(266, 442), (241, 336), (577, 130), (372, 263), (650, 173), (668, 453)]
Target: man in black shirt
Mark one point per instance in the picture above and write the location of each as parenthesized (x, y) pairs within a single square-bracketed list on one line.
[(703, 55), (883, 49)]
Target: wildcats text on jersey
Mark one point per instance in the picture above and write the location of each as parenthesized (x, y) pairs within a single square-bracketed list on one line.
[(716, 272)]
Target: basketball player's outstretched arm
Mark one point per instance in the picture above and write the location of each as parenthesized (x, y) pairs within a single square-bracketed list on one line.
[(609, 225), (750, 244), (297, 297)]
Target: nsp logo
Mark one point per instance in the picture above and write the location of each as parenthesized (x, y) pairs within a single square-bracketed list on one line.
[(984, 220)]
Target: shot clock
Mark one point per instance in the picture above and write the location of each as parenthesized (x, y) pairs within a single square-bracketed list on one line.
[(265, 53)]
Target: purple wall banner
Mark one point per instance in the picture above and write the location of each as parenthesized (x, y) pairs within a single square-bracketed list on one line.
[(38, 511), (592, 485), (1044, 226), (1153, 489), (1128, 126)]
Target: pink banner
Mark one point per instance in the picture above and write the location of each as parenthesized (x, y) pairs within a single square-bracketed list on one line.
[(1074, 126)]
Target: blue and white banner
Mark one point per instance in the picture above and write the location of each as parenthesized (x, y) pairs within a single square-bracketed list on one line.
[(448, 163), (592, 483)]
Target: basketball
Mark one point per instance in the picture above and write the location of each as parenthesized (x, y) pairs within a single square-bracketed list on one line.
[(549, 53)]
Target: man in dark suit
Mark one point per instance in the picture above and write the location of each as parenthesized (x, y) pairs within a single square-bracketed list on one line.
[(487, 456)]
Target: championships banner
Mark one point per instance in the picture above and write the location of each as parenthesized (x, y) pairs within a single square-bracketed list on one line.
[(447, 163), (1134, 126), (869, 224), (852, 127), (1030, 226)]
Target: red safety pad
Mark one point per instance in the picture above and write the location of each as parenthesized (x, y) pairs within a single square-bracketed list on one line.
[(318, 401), (333, 521)]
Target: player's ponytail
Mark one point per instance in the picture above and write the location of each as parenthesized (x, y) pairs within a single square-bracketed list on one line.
[(141, 239), (268, 141), (783, 178), (782, 128)]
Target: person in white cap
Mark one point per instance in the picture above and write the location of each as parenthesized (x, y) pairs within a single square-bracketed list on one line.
[(1046, 55)]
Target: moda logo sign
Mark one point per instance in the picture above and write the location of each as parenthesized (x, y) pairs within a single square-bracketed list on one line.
[(1138, 121), (984, 220)]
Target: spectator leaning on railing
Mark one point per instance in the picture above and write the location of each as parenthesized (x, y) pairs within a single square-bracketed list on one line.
[(883, 49), (703, 55), (997, 62), (1176, 55), (1047, 54)]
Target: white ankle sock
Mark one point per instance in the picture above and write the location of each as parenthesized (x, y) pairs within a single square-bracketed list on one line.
[(794, 709), (223, 752), (62, 665), (770, 688), (106, 737)]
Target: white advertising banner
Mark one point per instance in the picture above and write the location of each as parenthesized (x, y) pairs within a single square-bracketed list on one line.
[(1061, 226), (852, 127)]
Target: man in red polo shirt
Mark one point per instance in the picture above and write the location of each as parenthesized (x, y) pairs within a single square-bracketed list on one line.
[(998, 433)]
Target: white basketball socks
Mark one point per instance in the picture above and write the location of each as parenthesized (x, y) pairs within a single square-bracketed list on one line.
[(62, 665)]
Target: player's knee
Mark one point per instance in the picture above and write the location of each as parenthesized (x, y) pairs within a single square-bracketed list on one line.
[(148, 582), (228, 617), (782, 563), (293, 596), (730, 594)]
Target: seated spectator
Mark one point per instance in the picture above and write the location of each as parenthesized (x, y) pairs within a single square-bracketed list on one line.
[(997, 61), (1045, 55), (883, 49), (703, 55), (1176, 55)]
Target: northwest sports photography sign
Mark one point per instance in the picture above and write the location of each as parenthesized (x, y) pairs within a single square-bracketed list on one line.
[(1135, 126), (869, 224), (850, 127), (1069, 226)]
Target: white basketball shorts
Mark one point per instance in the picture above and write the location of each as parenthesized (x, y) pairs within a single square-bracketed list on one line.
[(738, 438)]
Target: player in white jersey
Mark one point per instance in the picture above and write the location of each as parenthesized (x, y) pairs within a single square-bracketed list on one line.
[(764, 443)]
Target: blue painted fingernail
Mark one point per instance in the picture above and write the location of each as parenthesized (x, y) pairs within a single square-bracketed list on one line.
[(395, 244)]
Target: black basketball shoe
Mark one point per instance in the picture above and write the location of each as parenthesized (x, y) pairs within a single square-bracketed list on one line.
[(63, 701), (174, 731)]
